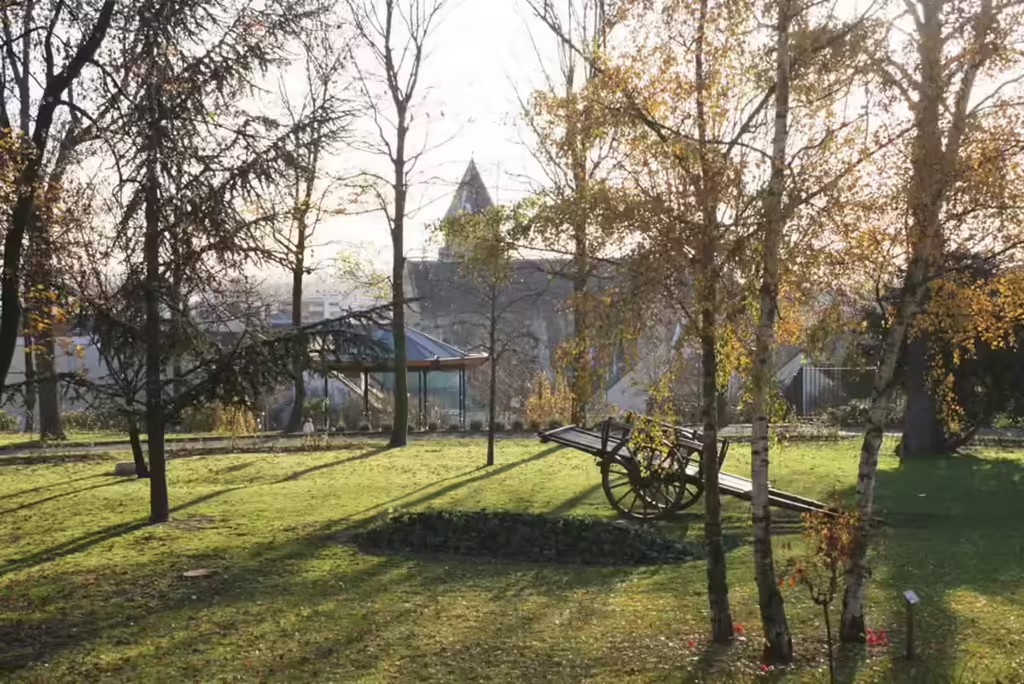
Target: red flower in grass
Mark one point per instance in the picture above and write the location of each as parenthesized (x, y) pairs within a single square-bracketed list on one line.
[(738, 628), (692, 643), (765, 667), (876, 637)]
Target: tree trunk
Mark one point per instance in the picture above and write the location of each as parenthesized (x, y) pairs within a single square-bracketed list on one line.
[(581, 385), (828, 642), (141, 471), (155, 424), (27, 186), (177, 319), (10, 292), (718, 587), (706, 192), (778, 642), (50, 426), (400, 426), (580, 381), (492, 392), (923, 430), (39, 286), (298, 380), (851, 628), (30, 386)]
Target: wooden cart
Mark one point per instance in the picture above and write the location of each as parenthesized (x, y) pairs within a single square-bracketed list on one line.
[(651, 472)]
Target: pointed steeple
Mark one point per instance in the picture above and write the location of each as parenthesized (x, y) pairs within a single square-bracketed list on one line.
[(471, 196)]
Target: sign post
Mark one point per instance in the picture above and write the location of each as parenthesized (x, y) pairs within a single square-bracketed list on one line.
[(912, 600)]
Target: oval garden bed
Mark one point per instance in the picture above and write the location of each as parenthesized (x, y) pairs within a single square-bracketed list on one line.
[(523, 537)]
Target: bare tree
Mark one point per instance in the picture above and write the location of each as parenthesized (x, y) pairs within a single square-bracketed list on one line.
[(395, 34), (320, 114)]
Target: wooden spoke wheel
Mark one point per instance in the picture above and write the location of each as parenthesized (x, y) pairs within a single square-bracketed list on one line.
[(693, 485), (647, 487)]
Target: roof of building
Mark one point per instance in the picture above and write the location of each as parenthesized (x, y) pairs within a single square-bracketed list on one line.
[(422, 352), (441, 289)]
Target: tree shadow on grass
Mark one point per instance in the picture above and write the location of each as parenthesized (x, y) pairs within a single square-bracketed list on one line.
[(384, 505), (488, 472), (575, 500), (332, 464), (11, 495), (952, 524), (86, 541), (53, 497)]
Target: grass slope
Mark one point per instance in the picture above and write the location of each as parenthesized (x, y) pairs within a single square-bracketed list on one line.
[(88, 592)]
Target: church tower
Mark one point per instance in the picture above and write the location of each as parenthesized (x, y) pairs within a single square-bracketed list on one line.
[(470, 197)]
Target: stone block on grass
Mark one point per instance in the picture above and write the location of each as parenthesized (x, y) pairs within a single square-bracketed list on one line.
[(124, 468)]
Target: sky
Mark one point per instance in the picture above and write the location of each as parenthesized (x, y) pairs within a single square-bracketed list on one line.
[(481, 55)]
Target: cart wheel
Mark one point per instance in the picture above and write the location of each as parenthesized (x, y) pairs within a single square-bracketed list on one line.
[(648, 487), (693, 486)]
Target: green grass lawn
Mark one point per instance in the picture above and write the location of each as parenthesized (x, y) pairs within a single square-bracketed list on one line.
[(89, 593)]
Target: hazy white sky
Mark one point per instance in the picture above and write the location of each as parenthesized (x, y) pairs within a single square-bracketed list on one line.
[(481, 55)]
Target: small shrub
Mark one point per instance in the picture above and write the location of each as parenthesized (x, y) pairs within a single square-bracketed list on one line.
[(855, 414), (499, 426), (91, 420), (453, 427), (386, 427), (476, 425), (517, 426), (1007, 421), (433, 427), (548, 398), (534, 426), (363, 427), (524, 537), (9, 423), (831, 543), (236, 420), (217, 417), (554, 424)]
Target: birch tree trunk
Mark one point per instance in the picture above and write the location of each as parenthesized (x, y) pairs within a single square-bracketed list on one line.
[(856, 575), (778, 642)]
